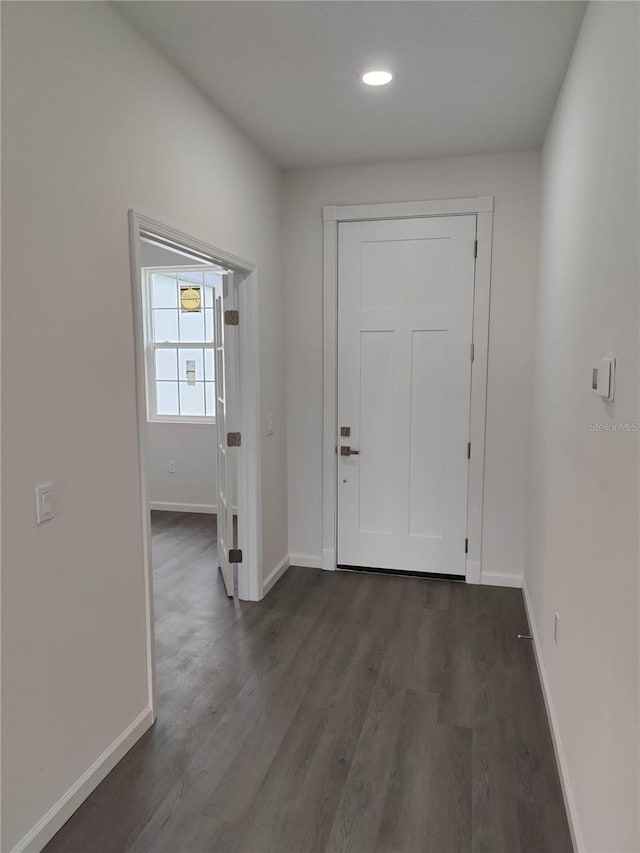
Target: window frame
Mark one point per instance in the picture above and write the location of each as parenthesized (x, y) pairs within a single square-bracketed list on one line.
[(150, 346)]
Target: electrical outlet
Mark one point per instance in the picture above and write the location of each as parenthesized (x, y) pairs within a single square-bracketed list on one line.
[(556, 628), (269, 424), (172, 466)]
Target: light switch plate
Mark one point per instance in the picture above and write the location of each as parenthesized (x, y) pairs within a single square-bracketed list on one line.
[(269, 424), (44, 502), (603, 378)]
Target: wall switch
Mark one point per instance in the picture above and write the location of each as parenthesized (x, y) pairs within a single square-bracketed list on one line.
[(603, 378), (269, 424), (44, 502), (172, 466), (556, 628)]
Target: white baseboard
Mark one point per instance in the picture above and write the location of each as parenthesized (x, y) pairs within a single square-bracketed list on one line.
[(494, 579), (166, 506), (307, 561), (59, 814), (567, 791), (275, 574), (474, 573)]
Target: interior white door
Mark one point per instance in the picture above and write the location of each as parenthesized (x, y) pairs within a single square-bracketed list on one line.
[(405, 318), (224, 345)]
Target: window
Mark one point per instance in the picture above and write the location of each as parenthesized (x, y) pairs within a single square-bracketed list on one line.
[(180, 352)]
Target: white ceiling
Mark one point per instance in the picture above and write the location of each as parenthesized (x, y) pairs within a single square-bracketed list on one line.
[(471, 77)]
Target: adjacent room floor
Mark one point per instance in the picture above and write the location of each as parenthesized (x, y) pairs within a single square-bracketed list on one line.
[(344, 712)]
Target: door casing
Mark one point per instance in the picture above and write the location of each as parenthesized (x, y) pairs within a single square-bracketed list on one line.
[(482, 207)]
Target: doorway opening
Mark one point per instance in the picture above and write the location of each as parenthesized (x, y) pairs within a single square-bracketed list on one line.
[(195, 322)]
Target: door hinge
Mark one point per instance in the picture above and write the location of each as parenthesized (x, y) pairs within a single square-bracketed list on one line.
[(232, 318), (475, 249), (473, 351), (234, 439), (466, 546), (469, 450), (235, 555)]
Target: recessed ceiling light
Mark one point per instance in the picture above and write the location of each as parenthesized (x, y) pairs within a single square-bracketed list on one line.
[(377, 78)]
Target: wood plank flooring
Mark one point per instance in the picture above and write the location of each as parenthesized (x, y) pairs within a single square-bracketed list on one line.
[(345, 712)]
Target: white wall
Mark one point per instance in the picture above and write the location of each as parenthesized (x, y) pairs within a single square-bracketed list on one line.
[(85, 137), (514, 181), (582, 551), (193, 486)]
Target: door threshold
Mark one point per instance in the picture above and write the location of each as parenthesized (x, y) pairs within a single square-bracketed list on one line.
[(402, 572)]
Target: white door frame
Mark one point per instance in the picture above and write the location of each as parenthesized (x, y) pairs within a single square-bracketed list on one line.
[(482, 207), (248, 470)]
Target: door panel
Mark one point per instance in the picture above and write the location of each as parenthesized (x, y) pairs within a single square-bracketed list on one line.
[(405, 313), (224, 424), (406, 258), (427, 432)]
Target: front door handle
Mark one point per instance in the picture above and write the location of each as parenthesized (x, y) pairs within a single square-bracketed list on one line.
[(345, 450)]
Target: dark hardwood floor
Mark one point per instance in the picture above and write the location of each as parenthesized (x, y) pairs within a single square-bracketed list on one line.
[(344, 712)]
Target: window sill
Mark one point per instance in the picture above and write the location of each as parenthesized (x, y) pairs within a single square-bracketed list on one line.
[(182, 419)]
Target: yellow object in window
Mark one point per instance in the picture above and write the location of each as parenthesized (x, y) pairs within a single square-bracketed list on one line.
[(190, 298)]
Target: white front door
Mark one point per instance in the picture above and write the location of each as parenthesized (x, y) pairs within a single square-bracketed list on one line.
[(405, 316)]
